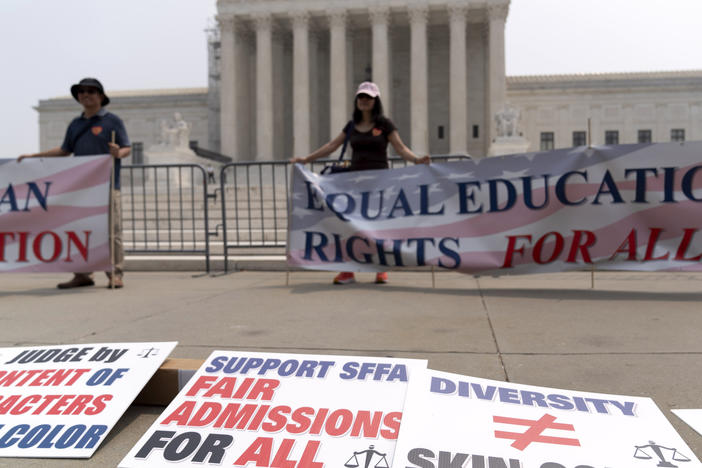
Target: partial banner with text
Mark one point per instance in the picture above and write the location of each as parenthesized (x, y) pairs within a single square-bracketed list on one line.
[(54, 214), (625, 207), (450, 419), (273, 410), (61, 401)]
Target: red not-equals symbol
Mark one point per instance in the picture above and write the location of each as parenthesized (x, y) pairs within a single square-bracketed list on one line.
[(533, 434)]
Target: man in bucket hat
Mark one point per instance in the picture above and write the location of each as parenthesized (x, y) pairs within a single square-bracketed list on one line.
[(89, 134)]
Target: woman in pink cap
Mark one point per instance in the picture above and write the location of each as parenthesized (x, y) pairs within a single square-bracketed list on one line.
[(369, 137)]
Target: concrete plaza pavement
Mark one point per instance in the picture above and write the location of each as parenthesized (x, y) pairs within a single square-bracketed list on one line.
[(633, 334)]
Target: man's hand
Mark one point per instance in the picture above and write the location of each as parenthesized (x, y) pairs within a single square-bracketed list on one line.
[(114, 150), (23, 156)]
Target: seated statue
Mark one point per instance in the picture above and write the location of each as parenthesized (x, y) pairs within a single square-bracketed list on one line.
[(176, 135), (507, 120), (183, 131)]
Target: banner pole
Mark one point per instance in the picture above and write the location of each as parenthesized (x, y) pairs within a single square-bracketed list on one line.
[(112, 220), (589, 145)]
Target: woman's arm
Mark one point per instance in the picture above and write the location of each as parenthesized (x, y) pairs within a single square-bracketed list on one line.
[(404, 151), (325, 150)]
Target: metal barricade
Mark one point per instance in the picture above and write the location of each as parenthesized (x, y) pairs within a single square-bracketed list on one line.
[(254, 202), (165, 210)]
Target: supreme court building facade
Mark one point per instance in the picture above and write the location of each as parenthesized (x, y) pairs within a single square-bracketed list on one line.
[(283, 73), (289, 69)]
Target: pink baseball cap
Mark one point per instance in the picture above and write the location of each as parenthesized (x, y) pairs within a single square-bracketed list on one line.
[(369, 88)]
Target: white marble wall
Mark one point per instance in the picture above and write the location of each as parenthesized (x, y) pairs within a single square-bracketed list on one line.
[(623, 102)]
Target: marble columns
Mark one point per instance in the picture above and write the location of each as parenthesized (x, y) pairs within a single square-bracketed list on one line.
[(381, 54), (264, 87), (228, 120), (301, 84), (338, 88), (496, 81), (419, 99), (458, 111), (249, 112)]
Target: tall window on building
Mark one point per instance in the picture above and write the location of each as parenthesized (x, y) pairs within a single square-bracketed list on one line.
[(547, 141), (612, 137), (644, 136), (579, 138), (677, 134)]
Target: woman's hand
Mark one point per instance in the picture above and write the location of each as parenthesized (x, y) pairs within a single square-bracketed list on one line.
[(423, 160), (298, 160)]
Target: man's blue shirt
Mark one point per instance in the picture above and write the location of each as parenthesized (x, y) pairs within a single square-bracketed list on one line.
[(86, 137)]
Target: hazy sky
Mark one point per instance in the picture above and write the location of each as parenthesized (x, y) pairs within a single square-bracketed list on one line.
[(47, 45)]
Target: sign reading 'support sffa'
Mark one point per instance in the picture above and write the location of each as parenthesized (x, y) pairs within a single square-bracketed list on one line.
[(61, 401), (54, 214), (281, 411), (628, 207), (459, 421)]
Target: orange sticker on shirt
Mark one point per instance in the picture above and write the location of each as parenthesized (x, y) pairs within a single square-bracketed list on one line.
[(377, 132), (96, 130)]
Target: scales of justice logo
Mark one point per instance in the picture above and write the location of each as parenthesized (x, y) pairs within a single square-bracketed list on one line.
[(368, 458), (147, 353), (646, 452)]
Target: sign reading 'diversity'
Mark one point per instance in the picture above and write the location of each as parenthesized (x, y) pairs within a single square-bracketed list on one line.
[(459, 421), (283, 411), (628, 207), (62, 401), (54, 214)]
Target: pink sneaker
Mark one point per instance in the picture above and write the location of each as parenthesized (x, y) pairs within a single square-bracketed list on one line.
[(344, 277), (381, 278)]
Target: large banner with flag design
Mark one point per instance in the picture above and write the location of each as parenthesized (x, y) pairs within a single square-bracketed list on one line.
[(626, 207), (54, 214)]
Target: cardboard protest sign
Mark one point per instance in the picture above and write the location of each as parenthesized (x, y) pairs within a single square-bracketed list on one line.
[(613, 207), (62, 401), (281, 410), (458, 421), (54, 214), (693, 418)]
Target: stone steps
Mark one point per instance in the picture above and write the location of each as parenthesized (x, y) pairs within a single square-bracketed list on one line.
[(216, 245), (175, 221), (269, 262), (243, 237)]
